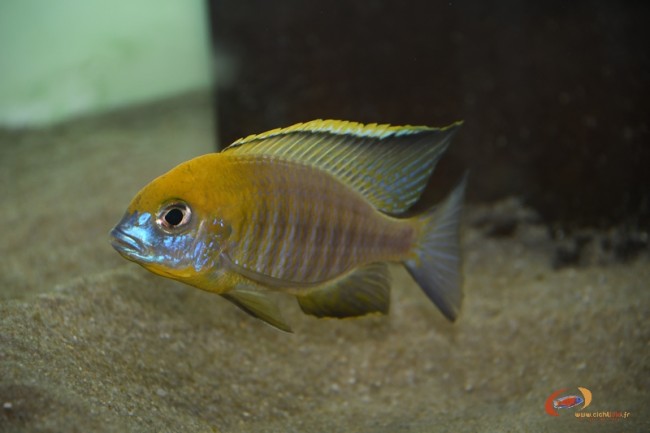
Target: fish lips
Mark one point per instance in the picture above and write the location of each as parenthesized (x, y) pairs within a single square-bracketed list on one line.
[(126, 237), (127, 245)]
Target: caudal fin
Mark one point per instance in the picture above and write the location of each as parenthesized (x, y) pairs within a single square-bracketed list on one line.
[(435, 262)]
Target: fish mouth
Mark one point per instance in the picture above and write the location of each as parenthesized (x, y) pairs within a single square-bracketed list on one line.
[(125, 244)]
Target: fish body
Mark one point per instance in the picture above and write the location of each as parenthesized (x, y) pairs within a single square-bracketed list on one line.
[(568, 401), (312, 210)]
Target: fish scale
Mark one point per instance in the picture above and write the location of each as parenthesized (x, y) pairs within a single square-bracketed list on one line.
[(345, 225)]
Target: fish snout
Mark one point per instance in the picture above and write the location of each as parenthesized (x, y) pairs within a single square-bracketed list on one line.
[(124, 243)]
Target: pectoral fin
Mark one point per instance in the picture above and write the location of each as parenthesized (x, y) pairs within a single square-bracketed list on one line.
[(363, 291), (258, 305)]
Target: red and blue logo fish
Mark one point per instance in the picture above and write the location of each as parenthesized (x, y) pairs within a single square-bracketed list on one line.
[(568, 401), (558, 401)]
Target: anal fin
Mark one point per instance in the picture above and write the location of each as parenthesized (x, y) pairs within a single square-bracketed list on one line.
[(258, 305), (365, 290)]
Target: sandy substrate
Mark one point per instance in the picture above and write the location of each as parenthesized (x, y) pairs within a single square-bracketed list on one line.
[(90, 342)]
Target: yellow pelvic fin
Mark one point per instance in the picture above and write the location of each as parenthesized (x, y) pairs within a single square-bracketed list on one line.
[(363, 291), (258, 305), (389, 165)]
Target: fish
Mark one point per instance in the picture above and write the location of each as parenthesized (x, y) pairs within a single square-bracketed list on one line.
[(568, 401), (316, 210)]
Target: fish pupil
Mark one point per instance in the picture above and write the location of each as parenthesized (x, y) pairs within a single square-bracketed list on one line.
[(174, 217)]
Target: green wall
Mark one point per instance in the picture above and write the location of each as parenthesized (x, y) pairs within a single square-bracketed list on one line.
[(60, 59)]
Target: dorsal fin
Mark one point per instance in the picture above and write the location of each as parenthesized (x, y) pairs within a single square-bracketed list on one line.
[(387, 164)]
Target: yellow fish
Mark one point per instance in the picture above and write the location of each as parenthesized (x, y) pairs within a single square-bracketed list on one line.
[(315, 210)]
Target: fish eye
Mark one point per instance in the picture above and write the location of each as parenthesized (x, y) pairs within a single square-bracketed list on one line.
[(174, 216)]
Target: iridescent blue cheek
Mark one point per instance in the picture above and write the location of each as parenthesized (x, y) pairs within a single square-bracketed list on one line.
[(138, 238), (174, 250)]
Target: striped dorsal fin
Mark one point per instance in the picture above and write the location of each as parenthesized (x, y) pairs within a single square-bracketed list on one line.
[(389, 165)]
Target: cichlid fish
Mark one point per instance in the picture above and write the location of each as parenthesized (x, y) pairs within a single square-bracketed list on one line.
[(568, 401), (315, 210)]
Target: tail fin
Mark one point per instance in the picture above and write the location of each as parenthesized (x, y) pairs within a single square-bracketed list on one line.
[(435, 263)]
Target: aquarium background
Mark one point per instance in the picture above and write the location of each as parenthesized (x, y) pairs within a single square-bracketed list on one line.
[(553, 94), (76, 58), (99, 98)]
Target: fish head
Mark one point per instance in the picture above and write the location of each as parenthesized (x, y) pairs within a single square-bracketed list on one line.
[(169, 230)]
